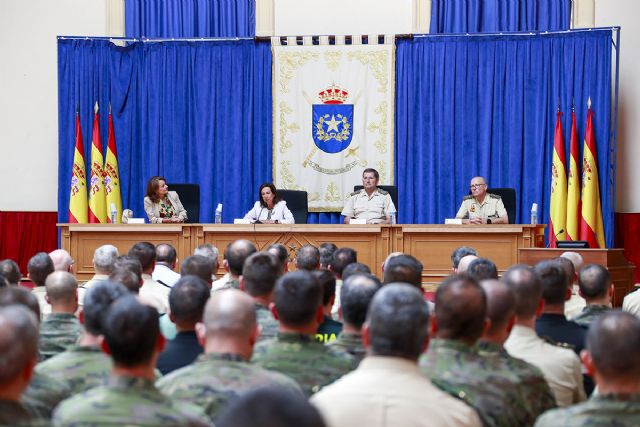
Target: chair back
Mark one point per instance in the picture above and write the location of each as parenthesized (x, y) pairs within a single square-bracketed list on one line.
[(391, 189), (297, 203), (190, 198), (508, 196)]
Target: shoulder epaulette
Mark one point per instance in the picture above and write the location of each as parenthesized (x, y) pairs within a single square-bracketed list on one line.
[(556, 343), (355, 193), (494, 196), (468, 197), (383, 192)]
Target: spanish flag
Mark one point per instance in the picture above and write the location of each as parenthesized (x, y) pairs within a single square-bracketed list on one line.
[(591, 227), (97, 199), (112, 178), (78, 195), (573, 188), (558, 210)]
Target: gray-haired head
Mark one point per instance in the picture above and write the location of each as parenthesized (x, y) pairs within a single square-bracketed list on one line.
[(39, 267), (62, 261), (459, 253), (575, 258), (18, 341), (210, 252), (104, 258)]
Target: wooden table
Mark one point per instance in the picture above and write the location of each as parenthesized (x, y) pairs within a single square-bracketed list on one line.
[(431, 244)]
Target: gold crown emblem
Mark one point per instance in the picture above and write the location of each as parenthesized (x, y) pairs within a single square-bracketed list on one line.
[(333, 95)]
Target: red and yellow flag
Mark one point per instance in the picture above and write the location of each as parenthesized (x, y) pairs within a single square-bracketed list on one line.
[(591, 227), (573, 187), (97, 199), (558, 210), (78, 195), (112, 178)]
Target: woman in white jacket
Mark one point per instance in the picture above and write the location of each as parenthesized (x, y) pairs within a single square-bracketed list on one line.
[(270, 209)]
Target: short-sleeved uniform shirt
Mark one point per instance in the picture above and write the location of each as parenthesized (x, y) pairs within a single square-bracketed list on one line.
[(490, 208), (374, 209)]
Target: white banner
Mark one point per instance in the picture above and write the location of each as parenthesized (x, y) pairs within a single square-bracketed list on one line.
[(333, 117)]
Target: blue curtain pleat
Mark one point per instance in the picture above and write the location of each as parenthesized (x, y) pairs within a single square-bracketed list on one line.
[(486, 105), (192, 112), (190, 18), (481, 16)]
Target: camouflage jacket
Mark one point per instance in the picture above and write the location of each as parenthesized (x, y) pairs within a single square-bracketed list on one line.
[(81, 367), (350, 343), (13, 414), (268, 324), (590, 313), (214, 379), (58, 331), (43, 394), (302, 358), (126, 401), (609, 410)]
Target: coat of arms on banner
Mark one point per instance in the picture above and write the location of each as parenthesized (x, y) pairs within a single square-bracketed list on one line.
[(333, 117)]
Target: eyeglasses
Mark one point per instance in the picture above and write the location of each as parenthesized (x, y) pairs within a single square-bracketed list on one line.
[(472, 186)]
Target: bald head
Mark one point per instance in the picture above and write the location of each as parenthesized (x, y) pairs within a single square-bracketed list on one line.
[(61, 260), (229, 314), (463, 265), (575, 258), (62, 288), (500, 304), (236, 253), (461, 308), (18, 341)]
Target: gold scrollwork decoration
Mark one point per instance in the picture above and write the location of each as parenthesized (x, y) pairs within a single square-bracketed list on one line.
[(381, 165), (381, 128), (291, 61), (378, 62), (285, 128), (332, 194), (332, 59), (288, 180)]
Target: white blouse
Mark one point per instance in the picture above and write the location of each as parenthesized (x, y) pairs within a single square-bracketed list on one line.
[(279, 212)]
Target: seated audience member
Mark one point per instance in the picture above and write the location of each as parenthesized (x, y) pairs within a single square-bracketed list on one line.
[(162, 205), (62, 261), (357, 292), (308, 258), (372, 204), (18, 356), (270, 407), (104, 257), (523, 382), (341, 258), (612, 357), (145, 252), (355, 268), (403, 269), (560, 366), (597, 290), (271, 208), (280, 251), (259, 275), (228, 333), (329, 329), (166, 260), (482, 269), (186, 305), (576, 303), (631, 302), (552, 323), (453, 364), (481, 207), (326, 253), (132, 338), (199, 266), (128, 271), (39, 267), (210, 252), (295, 352), (463, 265), (11, 271), (85, 366), (458, 254), (234, 256), (60, 329), (388, 385), (43, 392)]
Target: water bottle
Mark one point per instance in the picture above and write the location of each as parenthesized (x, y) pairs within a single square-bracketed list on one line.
[(392, 218), (114, 213), (218, 219), (534, 214)]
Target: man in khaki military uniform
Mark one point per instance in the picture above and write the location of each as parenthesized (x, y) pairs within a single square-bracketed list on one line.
[(482, 207), (371, 203)]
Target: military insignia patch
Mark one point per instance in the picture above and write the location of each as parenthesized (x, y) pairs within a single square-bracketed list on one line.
[(332, 120), (472, 208)]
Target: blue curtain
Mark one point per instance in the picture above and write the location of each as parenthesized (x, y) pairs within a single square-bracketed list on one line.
[(476, 16), (190, 18), (192, 112), (486, 105)]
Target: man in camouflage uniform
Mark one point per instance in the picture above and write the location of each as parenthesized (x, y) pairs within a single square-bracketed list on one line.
[(132, 337), (612, 357), (39, 267), (481, 207), (526, 387), (371, 203), (596, 288), (85, 366), (18, 356), (453, 363), (223, 373), (295, 352), (61, 328), (356, 295), (235, 255), (259, 275)]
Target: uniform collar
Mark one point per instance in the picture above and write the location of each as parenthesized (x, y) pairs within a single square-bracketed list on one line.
[(230, 357), (293, 337)]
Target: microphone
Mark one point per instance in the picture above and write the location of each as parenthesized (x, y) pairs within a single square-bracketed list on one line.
[(555, 236), (257, 221)]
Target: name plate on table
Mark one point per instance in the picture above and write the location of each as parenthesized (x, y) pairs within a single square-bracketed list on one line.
[(453, 221), (357, 221), (136, 221), (241, 221)]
